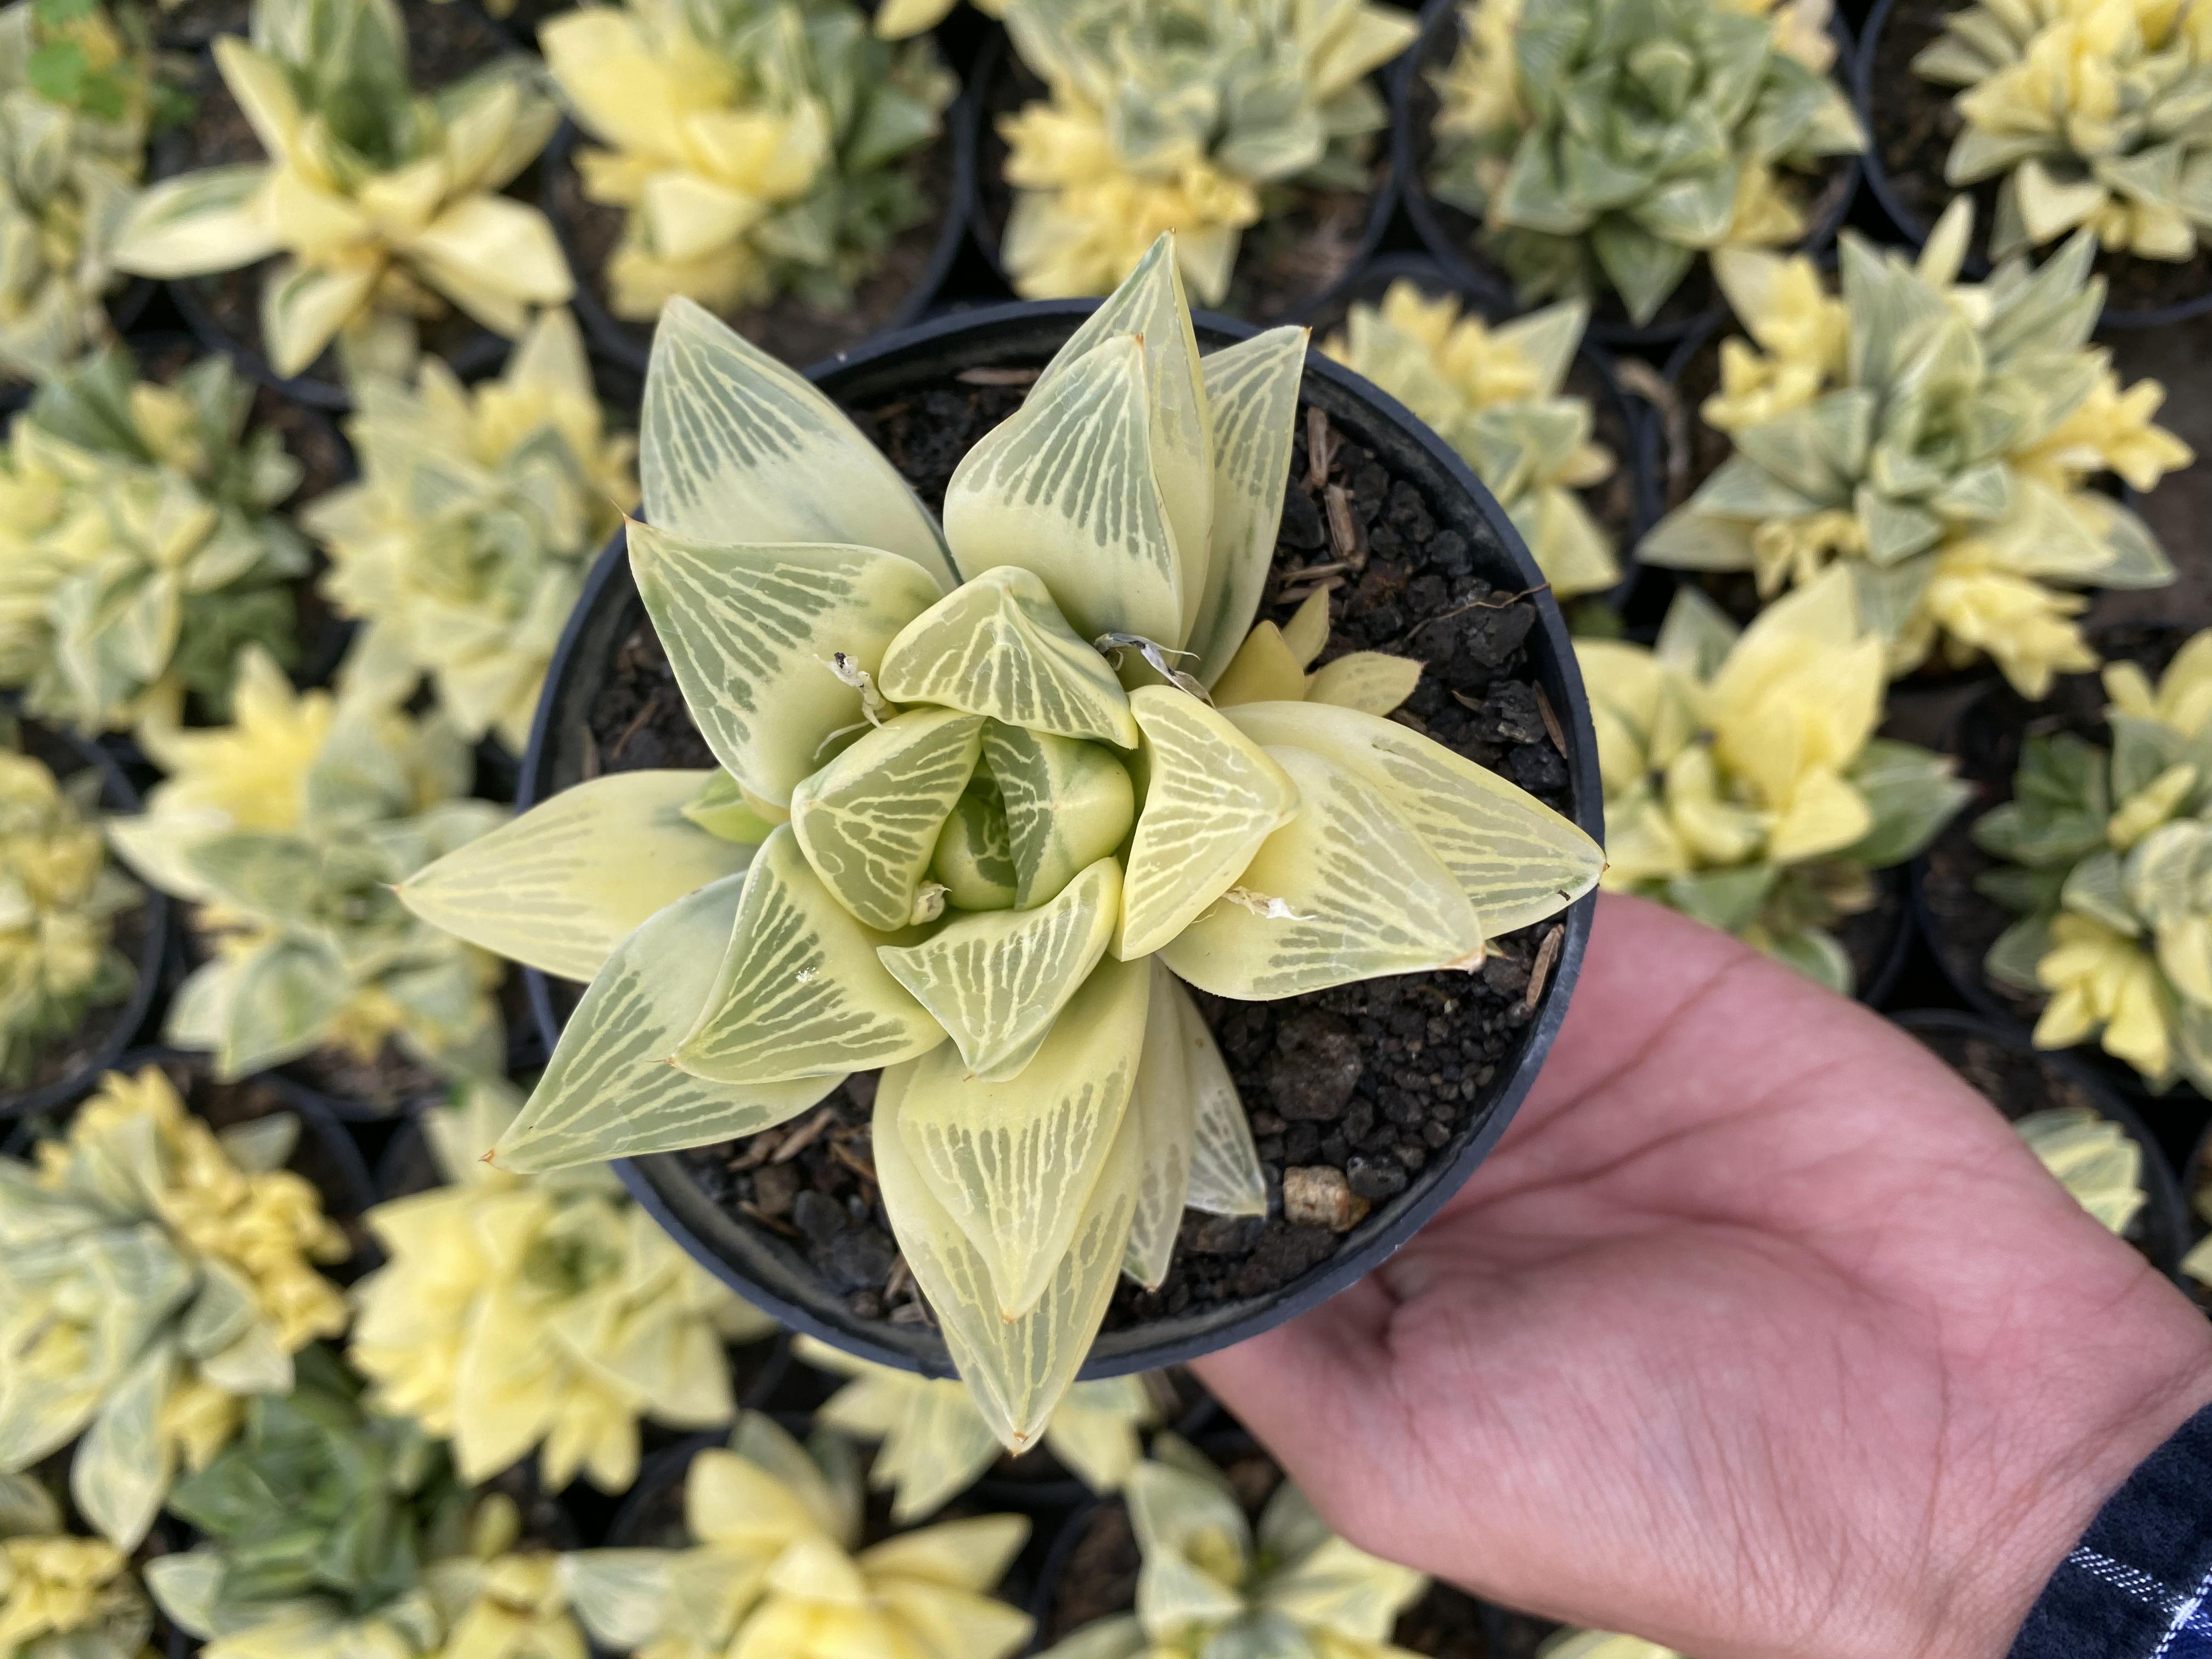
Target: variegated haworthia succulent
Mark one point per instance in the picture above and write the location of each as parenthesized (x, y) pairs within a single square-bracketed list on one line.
[(382, 202), (1495, 395), (1940, 439), (328, 1532), (465, 544), (546, 1311), (757, 147), (1605, 144), (287, 831), (2096, 1160), (141, 546), (59, 897), (776, 1567), (1743, 782), (2090, 112), (1197, 116), (77, 94), (1213, 1581), (958, 880), (2106, 856), (896, 20), (64, 1597), (154, 1273), (934, 1443)]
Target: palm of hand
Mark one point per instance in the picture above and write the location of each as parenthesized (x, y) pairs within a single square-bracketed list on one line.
[(1759, 1333)]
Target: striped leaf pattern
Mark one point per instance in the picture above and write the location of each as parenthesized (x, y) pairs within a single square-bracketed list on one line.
[(1253, 388), (1000, 647), (1347, 890), (1065, 488), (1017, 1369), (1516, 859), (997, 981), (1213, 797), (735, 447), (1066, 806), (1013, 1163), (561, 886), (750, 631), (1226, 1176), (797, 990), (608, 1090), (870, 820), (1164, 1107)]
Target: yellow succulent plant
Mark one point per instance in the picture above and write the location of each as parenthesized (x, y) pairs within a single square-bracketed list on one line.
[(1943, 440), (1190, 116), (59, 897), (935, 1444), (897, 19), (1744, 785), (154, 1273), (2106, 856), (538, 1312), (464, 545), (1495, 395), (63, 1596), (756, 146), (776, 1569), (2096, 1160), (383, 202)]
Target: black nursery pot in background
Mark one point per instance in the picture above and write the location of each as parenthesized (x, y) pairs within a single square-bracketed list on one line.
[(914, 369), (1450, 235), (1910, 124), (142, 934)]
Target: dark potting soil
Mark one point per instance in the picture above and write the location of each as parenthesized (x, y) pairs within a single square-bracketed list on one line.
[(390, 1081), (796, 329), (1097, 1578), (2018, 1085), (1963, 922), (1869, 938), (1307, 239), (446, 41), (1821, 190), (1445, 1624), (1373, 1079), (1914, 124)]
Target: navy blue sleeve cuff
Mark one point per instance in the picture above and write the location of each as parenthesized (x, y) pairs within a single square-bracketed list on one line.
[(2136, 1586)]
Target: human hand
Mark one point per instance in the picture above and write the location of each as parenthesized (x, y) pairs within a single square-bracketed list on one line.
[(1760, 1334)]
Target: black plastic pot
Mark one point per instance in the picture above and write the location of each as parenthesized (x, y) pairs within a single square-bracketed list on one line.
[(2164, 1227), (1439, 26), (1638, 452), (1875, 991), (629, 344), (764, 1270), (1914, 228), (66, 754), (997, 60)]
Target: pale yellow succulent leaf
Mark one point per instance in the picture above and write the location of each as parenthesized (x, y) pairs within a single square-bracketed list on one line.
[(1165, 1106), (621, 1595), (1264, 670), (1305, 636), (609, 1089), (206, 220), (560, 888), (1067, 804), (1213, 797), (1064, 488), (1603, 1644), (1347, 890), (752, 632), (1014, 1163), (1016, 1369), (735, 447), (1000, 647), (1338, 1587), (997, 982), (971, 1555), (2094, 1158), (1372, 682), (1252, 389), (955, 1620), (870, 820), (122, 1468), (1190, 1530), (796, 988), (1225, 1176), (1516, 859)]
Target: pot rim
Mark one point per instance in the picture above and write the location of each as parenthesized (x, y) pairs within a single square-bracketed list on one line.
[(116, 797), (1129, 1351)]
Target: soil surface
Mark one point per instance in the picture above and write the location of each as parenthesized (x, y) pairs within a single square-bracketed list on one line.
[(2019, 1085), (1823, 191), (1307, 239), (2179, 356), (446, 41), (794, 329), (1913, 123), (1963, 923), (1373, 1080), (392, 1082)]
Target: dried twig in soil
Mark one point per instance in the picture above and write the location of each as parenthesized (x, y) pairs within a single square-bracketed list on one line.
[(806, 1135), (998, 376), (1540, 971)]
